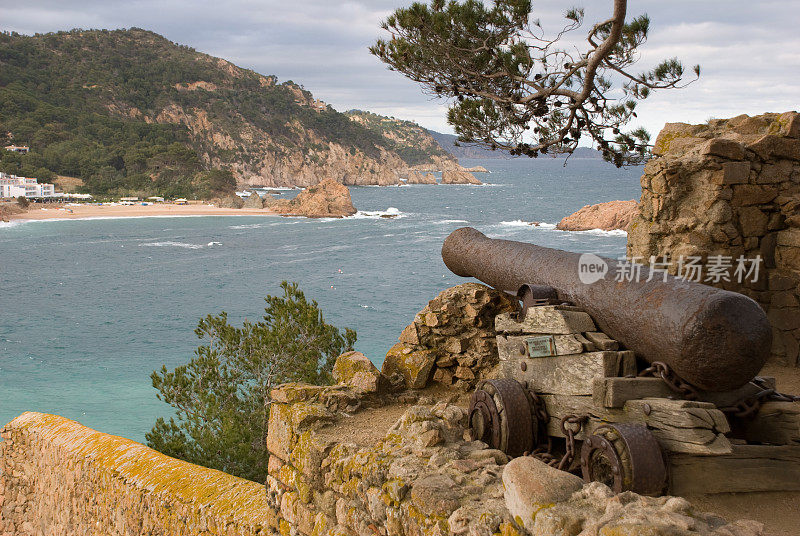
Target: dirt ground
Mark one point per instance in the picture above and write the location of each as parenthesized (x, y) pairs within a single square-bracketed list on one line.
[(778, 511)]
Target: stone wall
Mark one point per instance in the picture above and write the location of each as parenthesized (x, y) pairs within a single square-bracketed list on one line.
[(730, 187), (58, 477)]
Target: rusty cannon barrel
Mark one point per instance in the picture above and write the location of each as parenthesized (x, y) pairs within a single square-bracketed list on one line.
[(714, 339)]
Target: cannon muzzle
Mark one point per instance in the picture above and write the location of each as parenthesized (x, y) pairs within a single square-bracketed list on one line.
[(714, 339)]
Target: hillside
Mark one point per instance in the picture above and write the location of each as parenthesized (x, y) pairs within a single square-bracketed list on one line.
[(129, 111)]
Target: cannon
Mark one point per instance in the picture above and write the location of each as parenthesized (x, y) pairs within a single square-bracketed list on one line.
[(714, 339), (645, 385)]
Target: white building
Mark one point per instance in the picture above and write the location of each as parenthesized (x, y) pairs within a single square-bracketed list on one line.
[(13, 186)]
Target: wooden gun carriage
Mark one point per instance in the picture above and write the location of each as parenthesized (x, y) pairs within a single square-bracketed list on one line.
[(604, 403)]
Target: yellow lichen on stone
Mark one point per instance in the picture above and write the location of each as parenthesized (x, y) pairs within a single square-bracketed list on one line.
[(108, 463)]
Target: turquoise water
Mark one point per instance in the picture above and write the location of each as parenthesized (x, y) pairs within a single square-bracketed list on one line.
[(89, 308)]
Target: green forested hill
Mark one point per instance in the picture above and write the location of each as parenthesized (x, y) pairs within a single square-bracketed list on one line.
[(129, 111)]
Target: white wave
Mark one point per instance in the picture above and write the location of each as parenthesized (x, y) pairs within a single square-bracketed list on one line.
[(521, 223), (600, 232), (170, 243), (248, 226), (276, 188), (389, 213), (446, 222), (212, 244)]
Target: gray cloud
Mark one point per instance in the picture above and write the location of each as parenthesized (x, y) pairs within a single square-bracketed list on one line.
[(749, 51)]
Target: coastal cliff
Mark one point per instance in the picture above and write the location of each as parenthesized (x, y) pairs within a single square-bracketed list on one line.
[(128, 111)]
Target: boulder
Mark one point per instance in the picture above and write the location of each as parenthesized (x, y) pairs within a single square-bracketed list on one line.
[(356, 370), (232, 201), (531, 485), (254, 201), (459, 177), (412, 363), (327, 199), (608, 216), (9, 209), (477, 169)]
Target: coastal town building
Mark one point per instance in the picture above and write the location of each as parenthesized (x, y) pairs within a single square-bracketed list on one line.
[(13, 186), (21, 149)]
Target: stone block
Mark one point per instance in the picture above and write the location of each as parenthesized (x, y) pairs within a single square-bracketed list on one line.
[(356, 370), (443, 376), (787, 258), (771, 146), (785, 319), (733, 173), (751, 194), (531, 485), (780, 171), (280, 439), (435, 496), (791, 123), (784, 299), (410, 334), (789, 237), (725, 148), (414, 364), (752, 221)]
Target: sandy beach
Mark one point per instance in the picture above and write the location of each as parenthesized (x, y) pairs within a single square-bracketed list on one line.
[(133, 211)]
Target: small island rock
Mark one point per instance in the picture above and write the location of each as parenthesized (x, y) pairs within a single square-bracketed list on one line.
[(253, 201), (232, 201), (459, 177), (604, 216), (415, 177), (327, 199)]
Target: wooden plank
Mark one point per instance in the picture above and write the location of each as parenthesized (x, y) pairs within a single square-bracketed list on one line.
[(572, 374), (776, 423), (546, 320), (614, 392), (678, 425), (602, 341), (747, 468)]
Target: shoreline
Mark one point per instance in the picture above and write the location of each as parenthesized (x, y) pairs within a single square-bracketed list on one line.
[(86, 212)]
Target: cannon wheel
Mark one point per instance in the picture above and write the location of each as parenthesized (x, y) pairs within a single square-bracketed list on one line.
[(500, 415), (624, 457)]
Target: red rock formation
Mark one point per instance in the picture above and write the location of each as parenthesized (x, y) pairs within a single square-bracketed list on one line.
[(459, 177), (605, 216), (328, 199)]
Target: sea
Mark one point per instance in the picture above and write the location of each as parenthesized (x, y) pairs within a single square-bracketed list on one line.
[(90, 308)]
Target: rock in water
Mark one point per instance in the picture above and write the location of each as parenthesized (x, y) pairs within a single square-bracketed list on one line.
[(605, 216), (232, 201), (254, 201), (328, 199), (459, 177), (415, 177)]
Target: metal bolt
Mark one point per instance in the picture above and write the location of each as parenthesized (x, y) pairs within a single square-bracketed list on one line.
[(522, 349), (647, 409), (523, 366)]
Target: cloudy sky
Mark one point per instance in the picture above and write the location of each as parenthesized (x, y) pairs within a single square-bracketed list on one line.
[(749, 50)]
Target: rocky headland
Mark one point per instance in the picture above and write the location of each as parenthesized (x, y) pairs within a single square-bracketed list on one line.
[(610, 216)]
